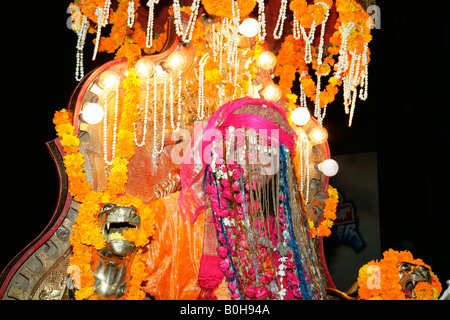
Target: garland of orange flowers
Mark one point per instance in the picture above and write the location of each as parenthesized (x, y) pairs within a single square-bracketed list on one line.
[(290, 56), (386, 274), (329, 215), (122, 40), (306, 13), (87, 237), (222, 8)]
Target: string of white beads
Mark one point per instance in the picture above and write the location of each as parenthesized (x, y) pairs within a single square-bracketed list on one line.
[(151, 13), (343, 62), (261, 20), (322, 32), (186, 35), (171, 102), (105, 128), (309, 39), (179, 102), (102, 21), (146, 107), (130, 11), (155, 129), (232, 49), (79, 68), (278, 31), (201, 89)]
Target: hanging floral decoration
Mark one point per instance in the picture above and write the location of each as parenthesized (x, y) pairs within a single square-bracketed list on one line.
[(329, 215), (87, 237), (223, 8), (379, 279), (344, 62), (321, 68), (123, 40)]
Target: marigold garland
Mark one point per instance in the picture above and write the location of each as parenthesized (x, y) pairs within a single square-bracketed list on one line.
[(125, 42), (290, 56), (87, 237), (329, 215), (306, 13), (379, 280), (222, 8)]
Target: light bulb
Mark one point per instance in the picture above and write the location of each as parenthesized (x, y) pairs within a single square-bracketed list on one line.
[(266, 60), (329, 167), (92, 113), (272, 92), (249, 27), (300, 116), (144, 68), (109, 81), (318, 135), (176, 61)]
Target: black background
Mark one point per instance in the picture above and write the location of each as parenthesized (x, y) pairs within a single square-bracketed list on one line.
[(405, 120)]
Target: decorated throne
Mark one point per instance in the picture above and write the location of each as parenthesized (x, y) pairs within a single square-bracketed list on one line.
[(122, 136)]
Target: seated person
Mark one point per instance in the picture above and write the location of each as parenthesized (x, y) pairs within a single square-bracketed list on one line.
[(237, 230)]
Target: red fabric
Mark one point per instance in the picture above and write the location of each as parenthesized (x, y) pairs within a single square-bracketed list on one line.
[(209, 277)]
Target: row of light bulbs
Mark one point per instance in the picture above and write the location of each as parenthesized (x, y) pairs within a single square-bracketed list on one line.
[(93, 113), (109, 81)]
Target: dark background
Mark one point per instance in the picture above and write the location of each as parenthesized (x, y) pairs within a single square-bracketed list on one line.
[(405, 120)]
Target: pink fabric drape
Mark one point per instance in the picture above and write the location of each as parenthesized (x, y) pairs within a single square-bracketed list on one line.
[(192, 199)]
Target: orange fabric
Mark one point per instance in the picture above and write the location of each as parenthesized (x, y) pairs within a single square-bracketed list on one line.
[(173, 258)]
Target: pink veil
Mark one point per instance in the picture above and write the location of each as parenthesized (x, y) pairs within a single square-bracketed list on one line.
[(192, 200)]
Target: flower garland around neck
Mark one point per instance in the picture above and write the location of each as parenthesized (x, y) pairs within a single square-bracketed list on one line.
[(379, 280), (329, 215), (87, 237)]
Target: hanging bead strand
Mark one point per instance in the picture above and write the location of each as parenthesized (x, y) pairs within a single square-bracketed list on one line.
[(342, 63), (171, 103), (309, 39), (179, 101), (151, 14), (102, 21), (105, 128), (146, 107), (201, 89), (79, 69), (186, 35), (322, 32), (278, 31), (155, 129), (131, 14), (261, 20)]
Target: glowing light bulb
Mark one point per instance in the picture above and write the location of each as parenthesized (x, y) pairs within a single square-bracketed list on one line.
[(272, 92), (300, 116), (318, 135), (266, 60), (109, 81), (144, 68), (249, 27), (176, 61), (329, 167), (92, 113)]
